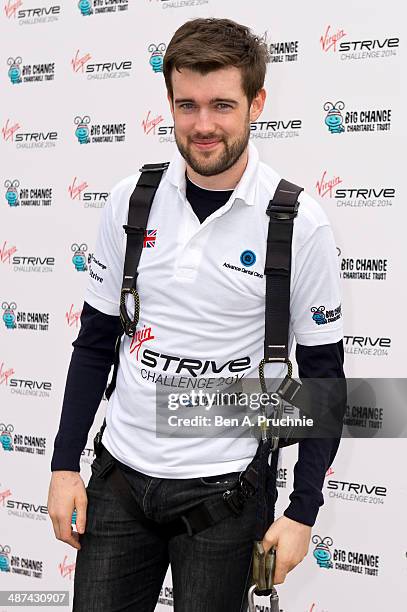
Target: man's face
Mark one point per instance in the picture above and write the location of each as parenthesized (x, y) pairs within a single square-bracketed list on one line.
[(212, 118)]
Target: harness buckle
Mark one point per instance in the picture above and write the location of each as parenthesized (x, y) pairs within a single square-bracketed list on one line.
[(282, 212)]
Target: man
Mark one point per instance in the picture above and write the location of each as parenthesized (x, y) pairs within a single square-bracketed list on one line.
[(197, 307)]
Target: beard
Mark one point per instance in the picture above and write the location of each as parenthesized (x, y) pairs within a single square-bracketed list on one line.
[(208, 163)]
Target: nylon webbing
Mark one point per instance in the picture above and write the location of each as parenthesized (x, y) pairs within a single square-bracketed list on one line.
[(282, 210)]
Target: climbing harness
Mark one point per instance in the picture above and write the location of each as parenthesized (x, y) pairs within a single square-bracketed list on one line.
[(261, 474)]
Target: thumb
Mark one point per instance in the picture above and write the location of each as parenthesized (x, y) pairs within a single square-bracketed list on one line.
[(270, 538)]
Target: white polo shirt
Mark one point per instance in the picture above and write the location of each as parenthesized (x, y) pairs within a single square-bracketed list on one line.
[(202, 309)]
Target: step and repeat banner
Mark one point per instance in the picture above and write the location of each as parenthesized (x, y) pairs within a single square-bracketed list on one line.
[(84, 105)]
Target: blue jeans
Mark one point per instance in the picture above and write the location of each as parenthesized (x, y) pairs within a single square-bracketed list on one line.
[(122, 562)]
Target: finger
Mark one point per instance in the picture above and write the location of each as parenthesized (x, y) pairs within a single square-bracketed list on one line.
[(55, 525), (270, 539), (81, 506), (66, 533), (280, 572)]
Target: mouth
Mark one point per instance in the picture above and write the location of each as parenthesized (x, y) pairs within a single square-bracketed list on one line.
[(205, 145)]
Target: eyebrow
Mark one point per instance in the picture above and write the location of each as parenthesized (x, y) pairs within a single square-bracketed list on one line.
[(212, 101)]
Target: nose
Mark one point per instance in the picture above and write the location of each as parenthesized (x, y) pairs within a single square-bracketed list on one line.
[(204, 124)]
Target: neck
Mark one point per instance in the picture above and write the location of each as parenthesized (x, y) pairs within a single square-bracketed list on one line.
[(226, 180)]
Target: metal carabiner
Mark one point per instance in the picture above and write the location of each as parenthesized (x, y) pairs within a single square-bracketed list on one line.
[(274, 601)]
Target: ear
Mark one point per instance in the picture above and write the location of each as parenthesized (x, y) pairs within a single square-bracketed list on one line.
[(257, 104)]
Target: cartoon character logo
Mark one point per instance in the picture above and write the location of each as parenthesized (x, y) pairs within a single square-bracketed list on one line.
[(14, 71), (5, 437), (4, 558), (79, 257), (157, 57), (318, 315), (82, 131), (334, 117), (85, 7), (248, 258), (12, 193), (321, 552), (9, 316)]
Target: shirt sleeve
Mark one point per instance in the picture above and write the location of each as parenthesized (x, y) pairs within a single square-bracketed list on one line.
[(315, 306), (106, 262)]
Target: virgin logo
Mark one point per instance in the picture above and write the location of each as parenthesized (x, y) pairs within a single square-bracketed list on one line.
[(11, 8), (9, 130), (6, 253), (79, 62), (329, 472), (4, 495), (141, 336), (72, 317), (75, 189), (329, 39), (325, 186), (149, 124), (5, 374), (66, 569)]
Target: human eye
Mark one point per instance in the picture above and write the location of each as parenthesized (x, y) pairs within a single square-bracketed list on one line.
[(186, 106), (223, 106)]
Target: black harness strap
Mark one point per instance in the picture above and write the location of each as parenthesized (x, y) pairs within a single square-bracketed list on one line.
[(281, 210), (139, 209)]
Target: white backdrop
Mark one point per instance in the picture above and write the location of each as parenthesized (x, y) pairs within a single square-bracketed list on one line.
[(101, 59)]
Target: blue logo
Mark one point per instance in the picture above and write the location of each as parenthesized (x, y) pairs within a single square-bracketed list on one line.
[(4, 558), (248, 258), (79, 257), (321, 552), (157, 57), (12, 193), (6, 439), (82, 131), (9, 316), (14, 71), (85, 7), (319, 315), (334, 117)]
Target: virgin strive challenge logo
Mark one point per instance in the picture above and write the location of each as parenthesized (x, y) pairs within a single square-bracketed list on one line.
[(354, 197), (365, 120), (81, 64), (13, 9), (335, 41), (96, 7), (91, 199), (11, 132)]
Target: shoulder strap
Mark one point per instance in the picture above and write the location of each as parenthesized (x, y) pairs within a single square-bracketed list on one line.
[(282, 210), (139, 209)]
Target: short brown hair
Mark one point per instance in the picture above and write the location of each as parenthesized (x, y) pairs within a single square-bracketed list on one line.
[(208, 44)]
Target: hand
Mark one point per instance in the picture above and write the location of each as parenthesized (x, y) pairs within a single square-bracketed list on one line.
[(291, 541), (66, 492)]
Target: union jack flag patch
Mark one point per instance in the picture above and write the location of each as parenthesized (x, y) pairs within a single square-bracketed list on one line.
[(149, 238)]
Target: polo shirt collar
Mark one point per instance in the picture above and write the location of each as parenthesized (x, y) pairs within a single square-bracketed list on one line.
[(245, 190)]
